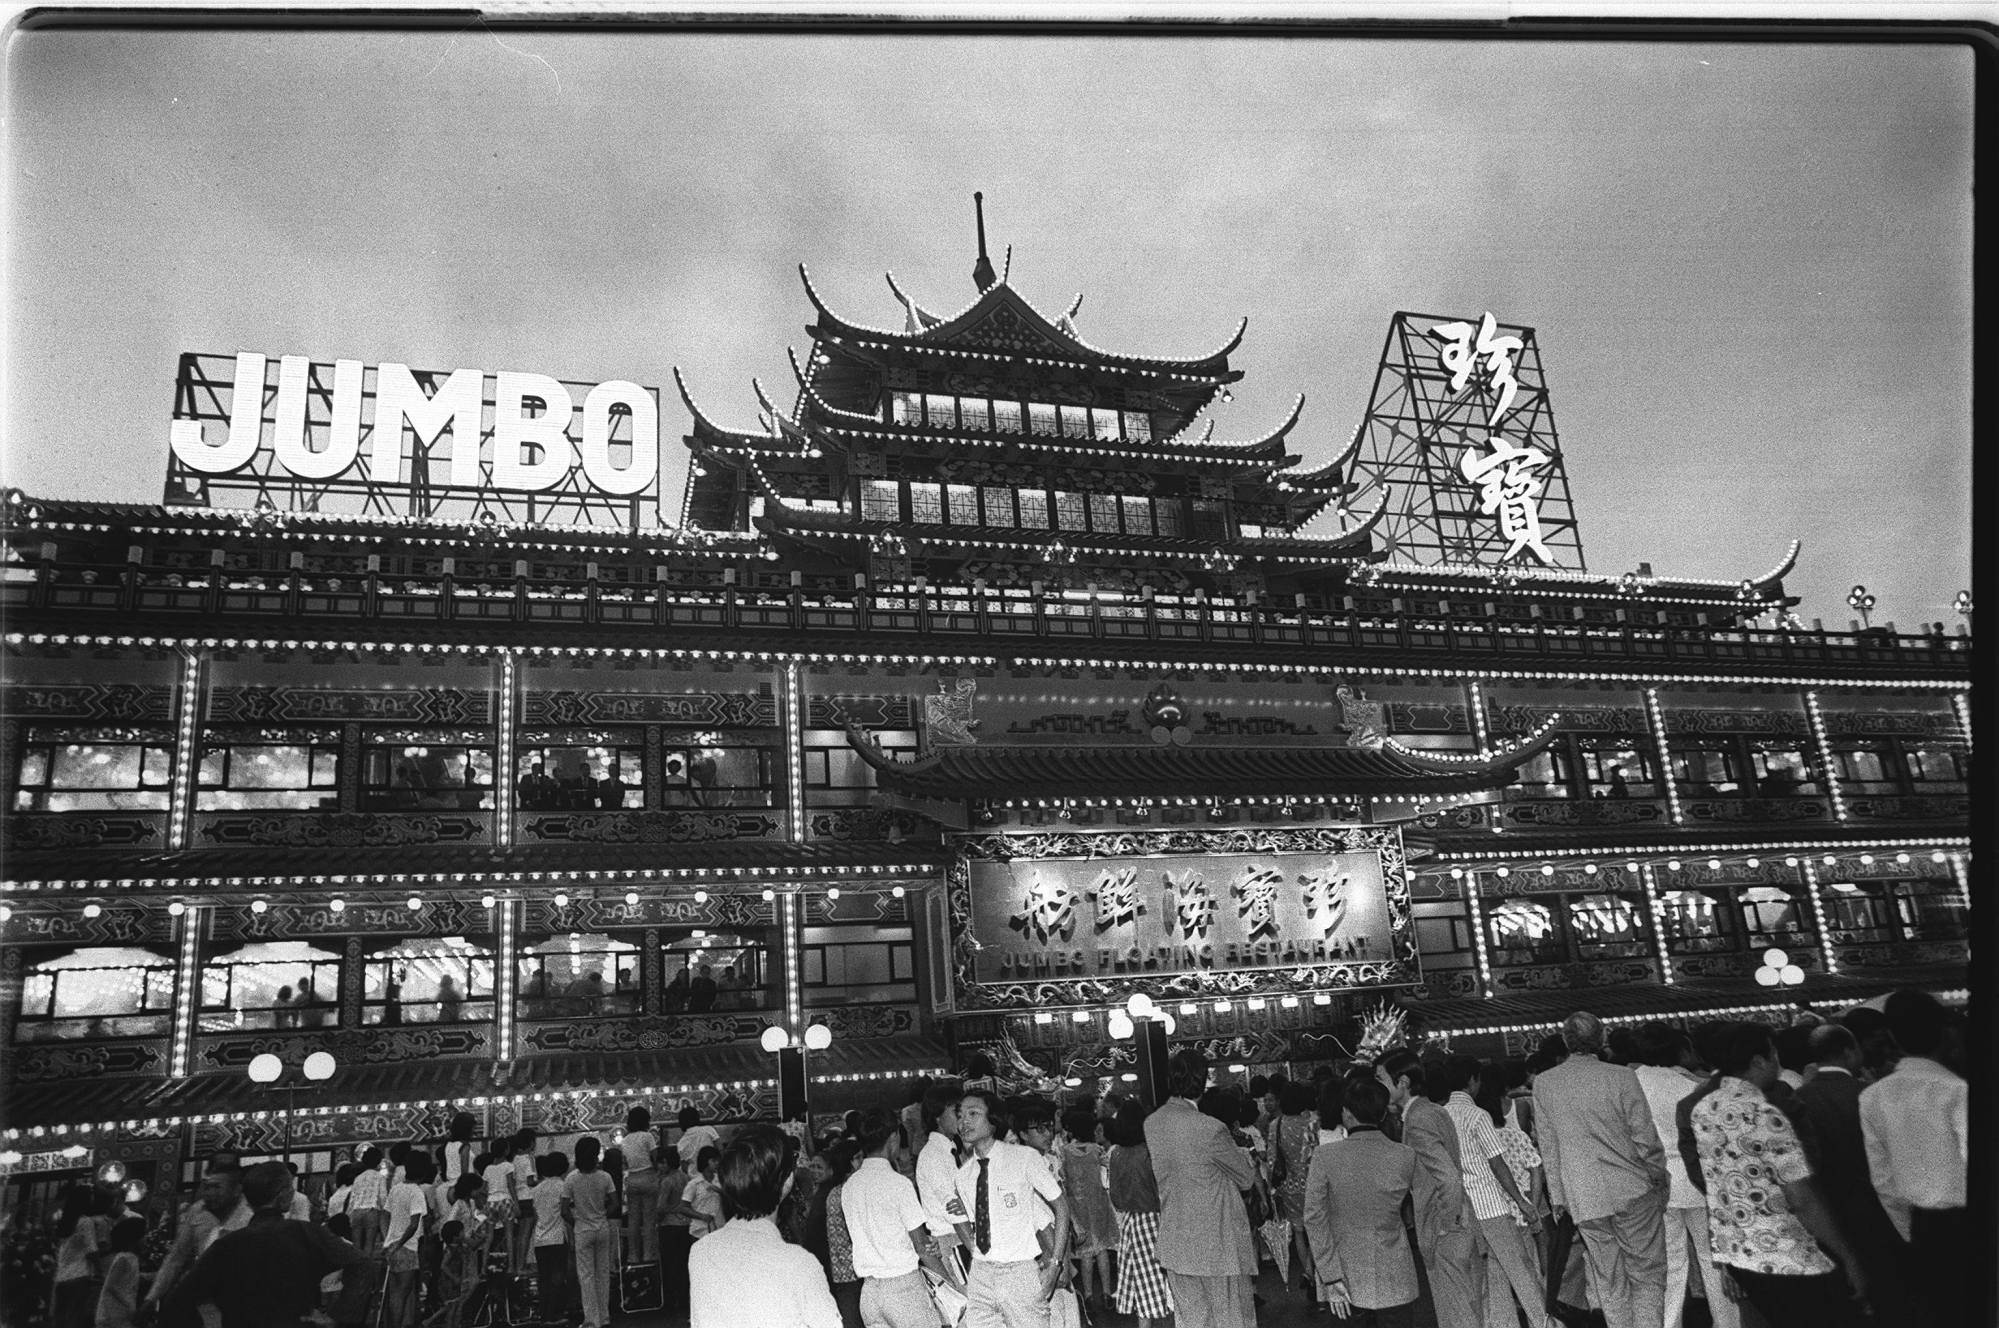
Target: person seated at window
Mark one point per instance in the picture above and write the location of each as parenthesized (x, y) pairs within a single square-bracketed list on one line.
[(701, 996), (286, 1016), (585, 995), (536, 792), (311, 1006), (1778, 783), (537, 997), (1618, 788), (610, 791), (447, 999), (674, 999)]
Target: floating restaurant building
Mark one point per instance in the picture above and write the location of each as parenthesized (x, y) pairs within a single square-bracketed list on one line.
[(978, 690)]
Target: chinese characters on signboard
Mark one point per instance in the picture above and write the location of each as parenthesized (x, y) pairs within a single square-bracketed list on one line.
[(1088, 918), (1507, 478)]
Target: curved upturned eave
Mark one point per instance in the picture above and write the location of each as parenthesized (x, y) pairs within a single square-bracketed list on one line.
[(1347, 537), (1774, 578), (1270, 442), (872, 754), (1491, 761), (711, 432), (924, 319)]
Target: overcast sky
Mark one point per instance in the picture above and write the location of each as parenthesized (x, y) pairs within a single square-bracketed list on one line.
[(1748, 266)]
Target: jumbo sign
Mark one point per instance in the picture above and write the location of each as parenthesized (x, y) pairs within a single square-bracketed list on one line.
[(315, 432)]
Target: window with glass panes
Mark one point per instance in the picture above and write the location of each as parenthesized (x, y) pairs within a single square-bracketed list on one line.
[(1866, 765), (926, 502), (1069, 511), (425, 769), (1929, 910), (577, 975), (975, 414), (857, 965), (96, 770), (268, 770), (270, 984), (835, 774), (1075, 421), (940, 412), (962, 504), (1041, 418), (1705, 766), (1104, 424), (1607, 926), (1166, 516), (1936, 767), (1617, 767), (720, 769), (1137, 515), (1033, 508), (1208, 522), (719, 969), (427, 980), (1857, 912), (1006, 417), (1545, 774), (1443, 933), (1698, 921), (1103, 512), (1771, 915), (1138, 426), (1523, 931), (998, 504), (579, 769), (97, 992), (881, 500), (1780, 767)]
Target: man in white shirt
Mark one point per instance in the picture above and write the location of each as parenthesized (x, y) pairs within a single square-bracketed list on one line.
[(219, 1208), (1666, 1075), (694, 1136), (889, 1231), (1916, 1124), (1011, 1278), (746, 1275), (1504, 1215), (937, 1173)]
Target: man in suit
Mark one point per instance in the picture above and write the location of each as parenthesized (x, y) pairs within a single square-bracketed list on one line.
[(1446, 1231), (1606, 1169), (1827, 1113), (1356, 1191), (1203, 1241)]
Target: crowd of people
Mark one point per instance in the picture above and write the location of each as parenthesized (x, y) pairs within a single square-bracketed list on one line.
[(1810, 1174)]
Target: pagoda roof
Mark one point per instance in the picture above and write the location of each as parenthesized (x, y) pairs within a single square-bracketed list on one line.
[(1767, 589), (979, 772), (1001, 323)]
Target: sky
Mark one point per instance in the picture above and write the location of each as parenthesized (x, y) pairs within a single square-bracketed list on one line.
[(1748, 265)]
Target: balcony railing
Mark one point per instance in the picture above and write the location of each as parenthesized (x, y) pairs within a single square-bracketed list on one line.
[(318, 605)]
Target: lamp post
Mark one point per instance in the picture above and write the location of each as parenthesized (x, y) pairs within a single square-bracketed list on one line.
[(268, 1068), (1142, 1017), (1862, 603), (792, 1091)]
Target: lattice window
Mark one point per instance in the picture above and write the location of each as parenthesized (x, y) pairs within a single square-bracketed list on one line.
[(964, 504), (1697, 921), (1006, 416), (1103, 512), (1104, 424), (1166, 516), (940, 412), (1138, 426), (1069, 511), (428, 980), (1137, 516), (1041, 416), (926, 502), (269, 771), (999, 505), (107, 770), (99, 991), (1033, 508), (881, 500), (974, 413), (1075, 421)]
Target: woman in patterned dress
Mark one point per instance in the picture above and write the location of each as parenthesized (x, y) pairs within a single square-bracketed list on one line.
[(1293, 1136), (1134, 1195), (1093, 1226)]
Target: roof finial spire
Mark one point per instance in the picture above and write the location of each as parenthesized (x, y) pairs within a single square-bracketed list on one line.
[(982, 272)]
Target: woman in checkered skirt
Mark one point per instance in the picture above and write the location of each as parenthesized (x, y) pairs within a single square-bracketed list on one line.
[(1141, 1282)]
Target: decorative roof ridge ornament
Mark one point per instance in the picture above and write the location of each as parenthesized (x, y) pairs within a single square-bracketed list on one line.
[(1067, 322), (703, 420), (919, 319), (870, 752), (1489, 758), (808, 392), (1207, 438), (983, 275), (1776, 574)]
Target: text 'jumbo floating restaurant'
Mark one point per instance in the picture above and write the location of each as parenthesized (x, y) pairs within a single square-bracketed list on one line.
[(974, 691)]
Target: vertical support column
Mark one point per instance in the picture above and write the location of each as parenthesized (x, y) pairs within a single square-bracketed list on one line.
[(1960, 705), (1470, 879), (503, 761), (1961, 874), (1475, 708), (789, 917), (1818, 914), (188, 701), (1816, 718), (187, 990), (791, 703), (354, 986), (1658, 906), (1655, 719), (505, 942)]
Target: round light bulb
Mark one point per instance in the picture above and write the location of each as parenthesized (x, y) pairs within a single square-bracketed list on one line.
[(93, 910), (1793, 975), (775, 1039), (700, 896), (631, 896), (320, 1066), (1775, 958), (258, 905), (1766, 977), (898, 891), (818, 1037), (1119, 1025), (1139, 1005), (265, 1068), (832, 892), (176, 908), (487, 901), (769, 895), (561, 899), (337, 905), (414, 903)]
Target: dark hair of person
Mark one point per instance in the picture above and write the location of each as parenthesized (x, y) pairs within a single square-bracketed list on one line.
[(708, 1156), (689, 1118), (1622, 1044), (1032, 1113), (349, 1172), (1129, 1124), (1830, 1042), (1863, 1021), (1554, 1047), (938, 1098), (589, 1149), (842, 1155), (371, 1157), (877, 1125), (338, 1225), (1249, 1112), (1405, 1064), (978, 1065), (553, 1165), (1219, 1103), (128, 1235), (1744, 1043), (1367, 1100), (462, 1126), (1491, 1095), (1080, 1124), (996, 1111), (1658, 1043), (419, 1168), (466, 1185), (75, 1207), (638, 1121), (1710, 1038), (1917, 1019), (480, 1161), (264, 1182), (1458, 1073), (399, 1152), (1332, 1098), (1794, 1047), (751, 1172), (524, 1139), (1187, 1073), (1259, 1084), (1294, 1099), (1277, 1082)]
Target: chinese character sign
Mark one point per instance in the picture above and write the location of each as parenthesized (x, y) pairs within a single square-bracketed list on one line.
[(1171, 914), (1506, 479), (1508, 488)]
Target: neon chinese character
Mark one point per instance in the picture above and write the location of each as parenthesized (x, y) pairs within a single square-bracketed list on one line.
[(1325, 897), (1194, 910), (1047, 909), (1116, 897), (1461, 354), (1508, 486), (1256, 899)]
